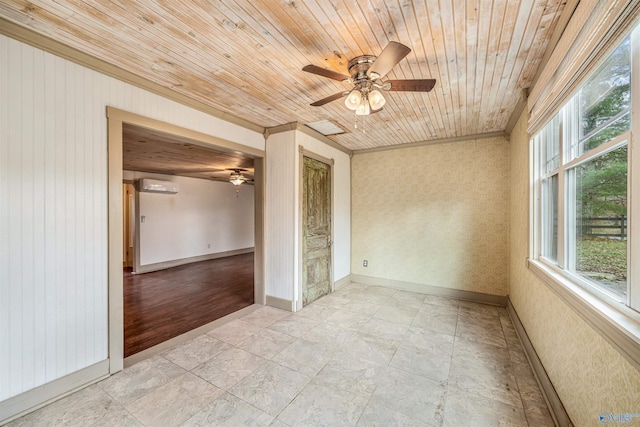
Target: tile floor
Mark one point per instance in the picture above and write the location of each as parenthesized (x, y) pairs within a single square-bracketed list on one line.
[(364, 355)]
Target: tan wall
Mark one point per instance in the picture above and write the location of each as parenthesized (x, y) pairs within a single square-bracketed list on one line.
[(434, 215), (589, 375)]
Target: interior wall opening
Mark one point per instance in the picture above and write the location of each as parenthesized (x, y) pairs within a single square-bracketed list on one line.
[(192, 228), (197, 252)]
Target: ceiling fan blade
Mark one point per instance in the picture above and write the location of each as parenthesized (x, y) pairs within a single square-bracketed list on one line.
[(314, 69), (328, 99), (388, 58), (420, 85), (376, 111)]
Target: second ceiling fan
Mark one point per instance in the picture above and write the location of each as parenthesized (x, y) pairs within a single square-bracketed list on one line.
[(367, 76)]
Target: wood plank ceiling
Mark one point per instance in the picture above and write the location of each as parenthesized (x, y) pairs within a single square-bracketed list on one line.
[(146, 150), (245, 57)]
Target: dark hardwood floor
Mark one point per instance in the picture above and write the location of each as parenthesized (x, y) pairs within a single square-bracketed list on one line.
[(164, 304)]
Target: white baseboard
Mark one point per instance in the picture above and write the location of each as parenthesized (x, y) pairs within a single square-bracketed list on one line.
[(31, 400), (559, 414), (282, 304), (340, 283), (36, 398), (148, 268), (432, 290), (285, 304)]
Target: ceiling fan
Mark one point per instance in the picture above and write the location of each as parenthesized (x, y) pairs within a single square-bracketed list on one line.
[(367, 76), (235, 176)]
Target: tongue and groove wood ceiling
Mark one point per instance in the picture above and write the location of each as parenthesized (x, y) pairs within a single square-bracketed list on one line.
[(245, 57)]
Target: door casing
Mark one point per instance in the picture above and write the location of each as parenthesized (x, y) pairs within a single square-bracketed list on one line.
[(115, 119)]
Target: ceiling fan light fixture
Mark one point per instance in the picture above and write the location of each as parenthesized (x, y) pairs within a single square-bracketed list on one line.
[(353, 100), (237, 179), (364, 108), (376, 100)]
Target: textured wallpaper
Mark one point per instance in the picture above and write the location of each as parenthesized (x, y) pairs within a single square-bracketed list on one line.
[(588, 374), (434, 215)]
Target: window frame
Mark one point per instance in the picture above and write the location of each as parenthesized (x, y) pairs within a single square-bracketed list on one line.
[(633, 192), (565, 259), (617, 320)]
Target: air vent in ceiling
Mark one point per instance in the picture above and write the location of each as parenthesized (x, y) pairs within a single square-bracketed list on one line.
[(326, 127)]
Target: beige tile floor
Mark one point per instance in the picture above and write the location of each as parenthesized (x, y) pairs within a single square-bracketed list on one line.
[(362, 356)]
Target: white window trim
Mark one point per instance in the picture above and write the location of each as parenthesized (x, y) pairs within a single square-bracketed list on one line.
[(633, 191), (616, 322)]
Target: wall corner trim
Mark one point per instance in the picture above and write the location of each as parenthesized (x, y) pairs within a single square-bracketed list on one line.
[(281, 303), (556, 408), (308, 131), (516, 113), (465, 138)]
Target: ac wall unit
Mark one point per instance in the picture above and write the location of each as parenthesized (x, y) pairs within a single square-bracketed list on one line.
[(156, 186)]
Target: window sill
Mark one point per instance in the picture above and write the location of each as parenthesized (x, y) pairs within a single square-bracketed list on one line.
[(619, 326)]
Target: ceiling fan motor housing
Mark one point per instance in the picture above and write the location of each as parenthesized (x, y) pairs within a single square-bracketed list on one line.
[(359, 66)]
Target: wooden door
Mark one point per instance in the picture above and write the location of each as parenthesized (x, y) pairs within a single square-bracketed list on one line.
[(316, 230)]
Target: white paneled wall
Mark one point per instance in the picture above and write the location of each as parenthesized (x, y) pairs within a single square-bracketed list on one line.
[(280, 215), (53, 208), (283, 211), (53, 227)]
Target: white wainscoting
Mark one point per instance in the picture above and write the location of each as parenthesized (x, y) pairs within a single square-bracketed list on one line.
[(53, 225), (53, 209), (280, 216)]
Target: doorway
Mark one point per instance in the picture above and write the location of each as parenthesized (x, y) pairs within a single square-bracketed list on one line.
[(128, 224), (317, 228), (116, 120)]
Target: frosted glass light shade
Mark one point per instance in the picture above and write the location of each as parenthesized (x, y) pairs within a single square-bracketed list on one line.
[(364, 108), (353, 99), (376, 100), (236, 179)]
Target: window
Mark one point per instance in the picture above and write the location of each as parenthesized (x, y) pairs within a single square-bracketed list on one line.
[(580, 171), (550, 141)]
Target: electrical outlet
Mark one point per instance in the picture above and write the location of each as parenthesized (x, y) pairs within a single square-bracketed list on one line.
[(208, 245), (365, 263)]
